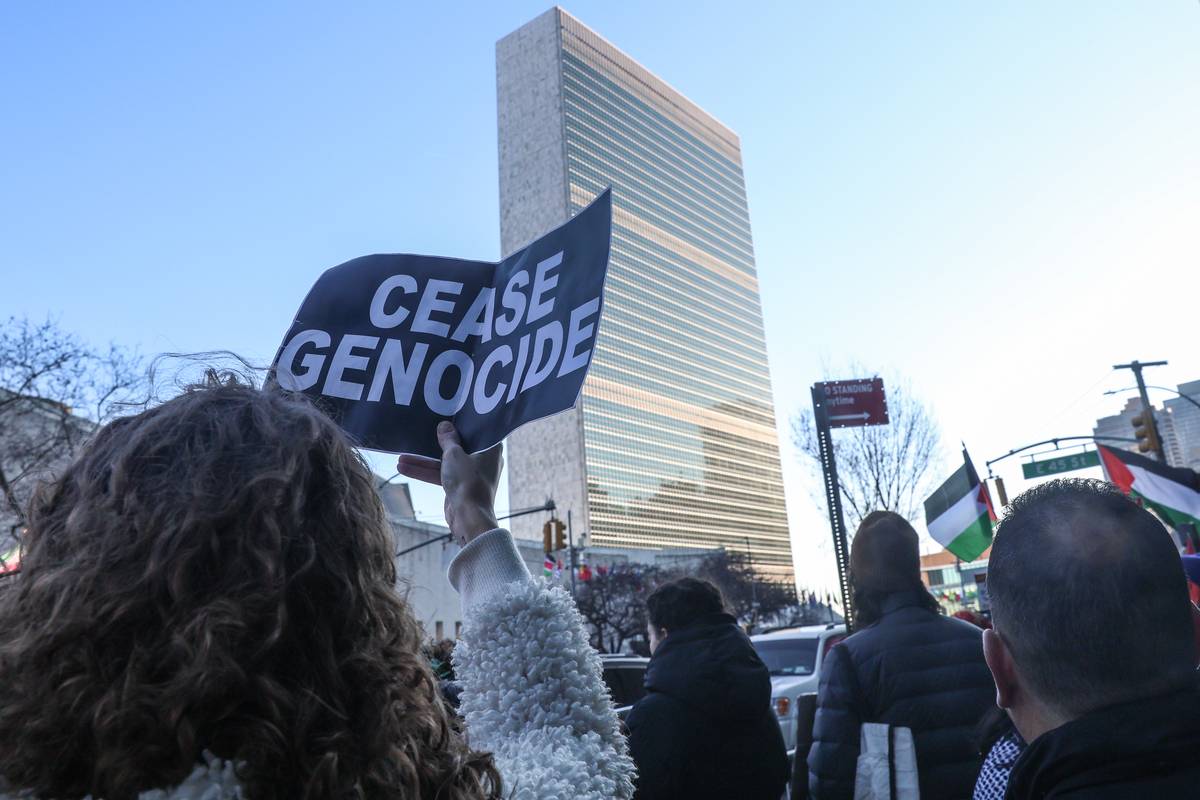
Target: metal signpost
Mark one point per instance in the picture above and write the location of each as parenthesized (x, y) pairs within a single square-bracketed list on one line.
[(843, 404)]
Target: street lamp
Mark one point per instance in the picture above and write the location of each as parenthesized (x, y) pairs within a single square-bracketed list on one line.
[(445, 537), (1175, 392)]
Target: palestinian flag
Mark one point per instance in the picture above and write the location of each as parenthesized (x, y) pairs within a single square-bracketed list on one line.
[(959, 514), (11, 561), (1172, 492)]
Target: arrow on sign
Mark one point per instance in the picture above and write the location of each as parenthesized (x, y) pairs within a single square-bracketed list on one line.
[(837, 418)]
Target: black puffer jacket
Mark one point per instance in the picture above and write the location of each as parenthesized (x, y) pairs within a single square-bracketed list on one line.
[(1149, 749), (705, 729), (913, 668)]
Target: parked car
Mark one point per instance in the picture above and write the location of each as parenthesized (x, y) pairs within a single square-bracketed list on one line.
[(625, 677), (794, 657)]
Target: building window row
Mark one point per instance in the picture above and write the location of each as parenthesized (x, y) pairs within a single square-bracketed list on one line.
[(683, 184), (601, 91)]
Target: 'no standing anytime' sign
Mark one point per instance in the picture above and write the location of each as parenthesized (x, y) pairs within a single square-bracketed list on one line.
[(855, 403)]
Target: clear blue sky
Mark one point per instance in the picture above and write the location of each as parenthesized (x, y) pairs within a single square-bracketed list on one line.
[(996, 201)]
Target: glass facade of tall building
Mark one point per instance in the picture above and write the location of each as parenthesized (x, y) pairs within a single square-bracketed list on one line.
[(676, 429)]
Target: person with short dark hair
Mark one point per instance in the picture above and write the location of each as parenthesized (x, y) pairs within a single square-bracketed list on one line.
[(705, 727), (906, 665), (678, 604), (440, 655), (1092, 650)]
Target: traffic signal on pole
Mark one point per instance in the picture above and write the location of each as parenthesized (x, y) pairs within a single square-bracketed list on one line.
[(554, 535), (1000, 493), (1143, 429)]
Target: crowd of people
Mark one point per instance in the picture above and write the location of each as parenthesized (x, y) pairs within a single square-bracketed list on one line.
[(207, 608), (1084, 685)]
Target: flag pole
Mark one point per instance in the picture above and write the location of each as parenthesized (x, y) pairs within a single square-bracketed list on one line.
[(571, 551)]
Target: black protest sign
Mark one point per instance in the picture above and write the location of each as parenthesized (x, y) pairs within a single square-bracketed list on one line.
[(389, 345)]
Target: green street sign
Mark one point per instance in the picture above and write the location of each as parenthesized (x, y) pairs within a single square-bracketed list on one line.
[(1053, 466)]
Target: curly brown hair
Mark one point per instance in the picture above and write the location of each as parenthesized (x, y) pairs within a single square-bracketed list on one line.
[(216, 575)]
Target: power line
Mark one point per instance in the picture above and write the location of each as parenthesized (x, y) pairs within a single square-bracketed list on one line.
[(1077, 400)]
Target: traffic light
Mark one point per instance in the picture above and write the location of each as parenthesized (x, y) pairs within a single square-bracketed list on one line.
[(1000, 493), (554, 535), (1144, 430)]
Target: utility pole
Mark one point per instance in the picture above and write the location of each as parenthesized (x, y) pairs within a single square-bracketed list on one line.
[(1147, 409), (753, 584)]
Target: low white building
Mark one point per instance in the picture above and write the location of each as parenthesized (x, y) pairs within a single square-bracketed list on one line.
[(670, 558), (38, 438), (422, 569)]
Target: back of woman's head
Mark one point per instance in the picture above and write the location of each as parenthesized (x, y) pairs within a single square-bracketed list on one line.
[(885, 558), (683, 602), (215, 575)]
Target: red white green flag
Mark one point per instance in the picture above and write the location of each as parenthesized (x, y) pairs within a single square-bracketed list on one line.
[(1172, 492), (959, 514), (11, 561), (548, 565)]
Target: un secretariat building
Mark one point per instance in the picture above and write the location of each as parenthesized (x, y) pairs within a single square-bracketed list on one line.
[(673, 443)]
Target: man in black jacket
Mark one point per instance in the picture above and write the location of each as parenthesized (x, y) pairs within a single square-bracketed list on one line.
[(705, 728), (907, 666), (1093, 651)]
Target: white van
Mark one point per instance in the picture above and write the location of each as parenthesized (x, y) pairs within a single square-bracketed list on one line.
[(794, 657)]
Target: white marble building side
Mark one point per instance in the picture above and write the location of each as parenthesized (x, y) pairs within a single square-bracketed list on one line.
[(545, 459), (422, 577)]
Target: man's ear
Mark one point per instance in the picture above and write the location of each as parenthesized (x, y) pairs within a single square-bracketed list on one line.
[(1000, 662)]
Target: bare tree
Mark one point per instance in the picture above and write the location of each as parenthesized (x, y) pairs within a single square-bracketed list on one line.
[(748, 595), (613, 601), (809, 609), (54, 390), (883, 467)]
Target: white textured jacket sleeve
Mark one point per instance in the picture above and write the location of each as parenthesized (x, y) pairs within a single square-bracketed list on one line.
[(532, 691)]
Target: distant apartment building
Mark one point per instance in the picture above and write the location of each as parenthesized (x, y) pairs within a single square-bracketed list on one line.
[(1120, 426), (1185, 418)]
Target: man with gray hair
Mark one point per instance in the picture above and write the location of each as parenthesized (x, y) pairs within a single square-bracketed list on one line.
[(1092, 652)]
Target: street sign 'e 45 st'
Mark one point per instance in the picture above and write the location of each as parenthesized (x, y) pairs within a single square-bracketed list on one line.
[(855, 403), (1053, 466)]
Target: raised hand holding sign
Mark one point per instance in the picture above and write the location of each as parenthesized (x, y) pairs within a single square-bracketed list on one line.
[(470, 482)]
